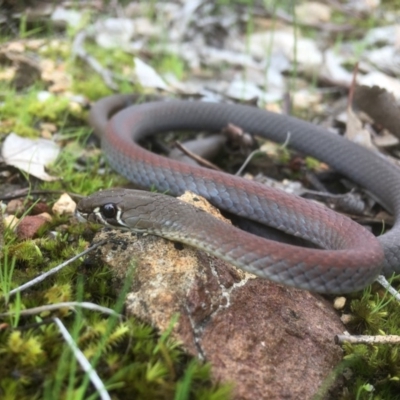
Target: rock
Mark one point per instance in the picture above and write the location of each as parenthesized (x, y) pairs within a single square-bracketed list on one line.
[(10, 221), (15, 207), (40, 208), (271, 341), (29, 225), (339, 303), (64, 205)]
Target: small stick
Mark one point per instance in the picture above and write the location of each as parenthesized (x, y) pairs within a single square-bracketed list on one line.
[(200, 160), (78, 50), (248, 159), (83, 361), (26, 191), (65, 304), (367, 339), (384, 282), (42, 277)]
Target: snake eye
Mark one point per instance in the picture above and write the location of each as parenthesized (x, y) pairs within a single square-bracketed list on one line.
[(109, 210)]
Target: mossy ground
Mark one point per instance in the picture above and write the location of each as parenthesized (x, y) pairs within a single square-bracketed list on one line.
[(132, 359)]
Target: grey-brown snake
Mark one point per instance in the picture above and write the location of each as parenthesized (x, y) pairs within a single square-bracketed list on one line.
[(353, 256)]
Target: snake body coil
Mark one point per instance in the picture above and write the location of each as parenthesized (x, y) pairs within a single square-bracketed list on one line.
[(355, 257)]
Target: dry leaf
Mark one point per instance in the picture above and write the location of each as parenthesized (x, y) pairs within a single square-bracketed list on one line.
[(380, 105), (355, 131), (147, 76), (30, 155), (313, 12)]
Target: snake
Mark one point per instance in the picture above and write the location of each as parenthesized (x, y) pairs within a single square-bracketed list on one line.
[(347, 256)]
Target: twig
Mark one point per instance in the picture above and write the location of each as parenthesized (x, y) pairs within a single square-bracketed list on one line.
[(324, 26), (200, 160), (247, 160), (26, 191), (57, 306), (367, 339), (42, 277), (352, 87), (83, 361), (278, 13), (253, 153), (384, 282), (78, 50)]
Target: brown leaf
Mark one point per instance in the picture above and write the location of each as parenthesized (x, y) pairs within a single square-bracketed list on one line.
[(355, 131), (380, 105)]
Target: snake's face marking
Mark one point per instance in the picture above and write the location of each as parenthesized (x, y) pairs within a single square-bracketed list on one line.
[(110, 215), (105, 209)]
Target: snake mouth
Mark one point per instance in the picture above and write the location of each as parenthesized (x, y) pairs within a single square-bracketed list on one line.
[(86, 217), (81, 216)]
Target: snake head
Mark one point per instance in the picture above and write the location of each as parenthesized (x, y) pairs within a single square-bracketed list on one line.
[(125, 209), (103, 207)]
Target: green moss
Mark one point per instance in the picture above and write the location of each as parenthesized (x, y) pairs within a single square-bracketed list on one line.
[(21, 114), (312, 163), (131, 358), (26, 251), (20, 129), (57, 49), (53, 109), (91, 85), (80, 179), (25, 348), (58, 293), (24, 260), (124, 352), (375, 366), (171, 63)]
